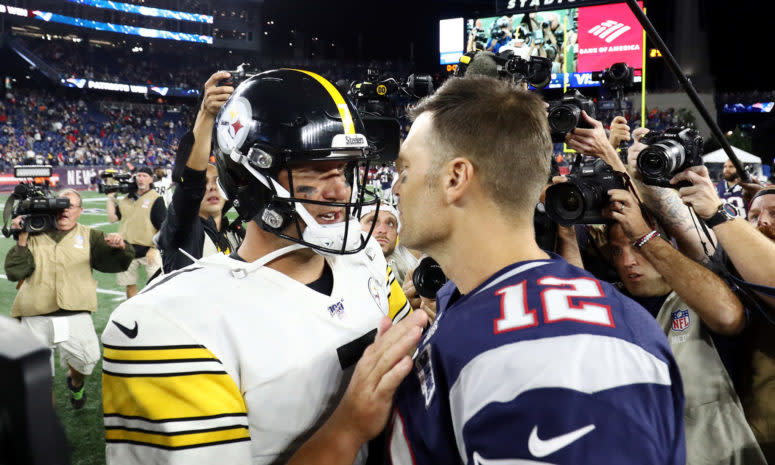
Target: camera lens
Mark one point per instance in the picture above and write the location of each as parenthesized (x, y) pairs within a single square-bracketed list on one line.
[(661, 160), (36, 223), (564, 118), (428, 278), (564, 203)]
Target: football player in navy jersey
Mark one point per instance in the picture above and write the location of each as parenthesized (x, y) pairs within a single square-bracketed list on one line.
[(729, 188), (529, 359)]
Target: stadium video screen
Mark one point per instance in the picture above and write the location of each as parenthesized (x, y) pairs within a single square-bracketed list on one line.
[(579, 41)]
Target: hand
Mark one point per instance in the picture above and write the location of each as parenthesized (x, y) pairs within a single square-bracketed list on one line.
[(749, 190), (429, 307), (411, 293), (115, 240), (591, 141), (634, 151), (16, 223), (623, 209), (620, 131), (112, 196), (701, 195), (367, 403), (215, 96)]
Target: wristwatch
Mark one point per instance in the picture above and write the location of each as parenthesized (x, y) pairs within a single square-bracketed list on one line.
[(725, 212)]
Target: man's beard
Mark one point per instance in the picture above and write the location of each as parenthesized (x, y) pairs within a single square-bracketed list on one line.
[(730, 177), (768, 231)]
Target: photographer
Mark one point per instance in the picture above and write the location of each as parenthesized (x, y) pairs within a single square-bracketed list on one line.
[(195, 221), (141, 214), (58, 292), (693, 306), (744, 250)]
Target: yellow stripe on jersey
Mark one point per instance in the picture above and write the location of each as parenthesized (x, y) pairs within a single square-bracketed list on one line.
[(178, 441), (171, 397), (341, 104), (399, 306), (157, 354)]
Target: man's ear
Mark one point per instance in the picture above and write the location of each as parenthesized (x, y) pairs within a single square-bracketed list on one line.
[(458, 177)]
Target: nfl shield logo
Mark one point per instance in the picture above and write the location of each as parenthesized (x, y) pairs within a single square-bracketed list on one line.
[(680, 320)]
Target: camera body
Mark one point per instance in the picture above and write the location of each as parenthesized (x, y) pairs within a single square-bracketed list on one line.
[(565, 114), (537, 70), (618, 76), (428, 278), (242, 73), (668, 153), (123, 183), (582, 198), (38, 208)]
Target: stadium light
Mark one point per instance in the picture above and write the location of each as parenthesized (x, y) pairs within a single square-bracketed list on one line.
[(32, 171)]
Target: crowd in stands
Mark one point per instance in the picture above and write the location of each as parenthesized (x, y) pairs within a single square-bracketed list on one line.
[(79, 132), (180, 66)]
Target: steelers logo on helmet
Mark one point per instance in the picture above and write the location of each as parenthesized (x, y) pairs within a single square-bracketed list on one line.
[(233, 124), (280, 121)]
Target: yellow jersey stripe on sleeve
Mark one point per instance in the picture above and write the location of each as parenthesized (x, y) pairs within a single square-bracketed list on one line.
[(183, 440), (140, 354), (171, 397), (399, 306)]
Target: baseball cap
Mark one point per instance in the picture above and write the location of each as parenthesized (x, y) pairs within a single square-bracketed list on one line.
[(145, 169)]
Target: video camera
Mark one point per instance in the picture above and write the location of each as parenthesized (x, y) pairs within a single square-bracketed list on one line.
[(33, 201), (122, 183), (416, 86), (669, 152), (582, 198), (537, 71), (565, 114)]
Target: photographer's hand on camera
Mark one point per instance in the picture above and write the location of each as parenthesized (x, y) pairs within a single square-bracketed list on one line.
[(620, 131), (16, 225), (624, 209), (415, 300), (594, 142), (214, 98), (702, 194)]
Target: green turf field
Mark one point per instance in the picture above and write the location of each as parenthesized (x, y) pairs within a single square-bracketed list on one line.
[(83, 427)]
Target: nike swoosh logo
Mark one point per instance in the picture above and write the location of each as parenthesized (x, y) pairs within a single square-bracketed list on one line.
[(542, 448), (130, 333)]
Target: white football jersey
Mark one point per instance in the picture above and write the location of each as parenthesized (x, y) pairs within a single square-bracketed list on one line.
[(220, 364)]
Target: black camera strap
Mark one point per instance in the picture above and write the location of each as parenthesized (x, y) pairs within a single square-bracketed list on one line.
[(8, 211), (705, 231), (631, 187)]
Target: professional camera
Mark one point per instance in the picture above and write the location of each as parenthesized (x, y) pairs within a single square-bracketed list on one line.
[(242, 73), (668, 153), (416, 86), (537, 71), (123, 183), (618, 76), (34, 202), (565, 114), (582, 198), (428, 278)]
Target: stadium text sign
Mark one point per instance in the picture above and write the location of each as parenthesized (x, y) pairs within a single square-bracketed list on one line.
[(13, 10), (526, 6)]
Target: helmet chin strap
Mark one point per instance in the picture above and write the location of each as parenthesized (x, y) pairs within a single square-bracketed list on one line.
[(330, 236)]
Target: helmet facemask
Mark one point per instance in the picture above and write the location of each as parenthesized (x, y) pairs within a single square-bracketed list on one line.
[(289, 217)]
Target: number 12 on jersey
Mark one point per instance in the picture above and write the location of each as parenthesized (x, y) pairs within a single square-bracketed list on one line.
[(561, 299)]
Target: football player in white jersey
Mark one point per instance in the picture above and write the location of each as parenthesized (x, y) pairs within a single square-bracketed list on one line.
[(237, 359)]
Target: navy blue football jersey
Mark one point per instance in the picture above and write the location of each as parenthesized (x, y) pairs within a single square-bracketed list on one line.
[(733, 195), (541, 364)]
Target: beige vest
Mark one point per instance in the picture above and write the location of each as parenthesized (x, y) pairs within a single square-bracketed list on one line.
[(62, 278), (716, 429), (136, 226)]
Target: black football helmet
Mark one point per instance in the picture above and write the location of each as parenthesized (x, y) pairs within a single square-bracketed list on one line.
[(276, 120)]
